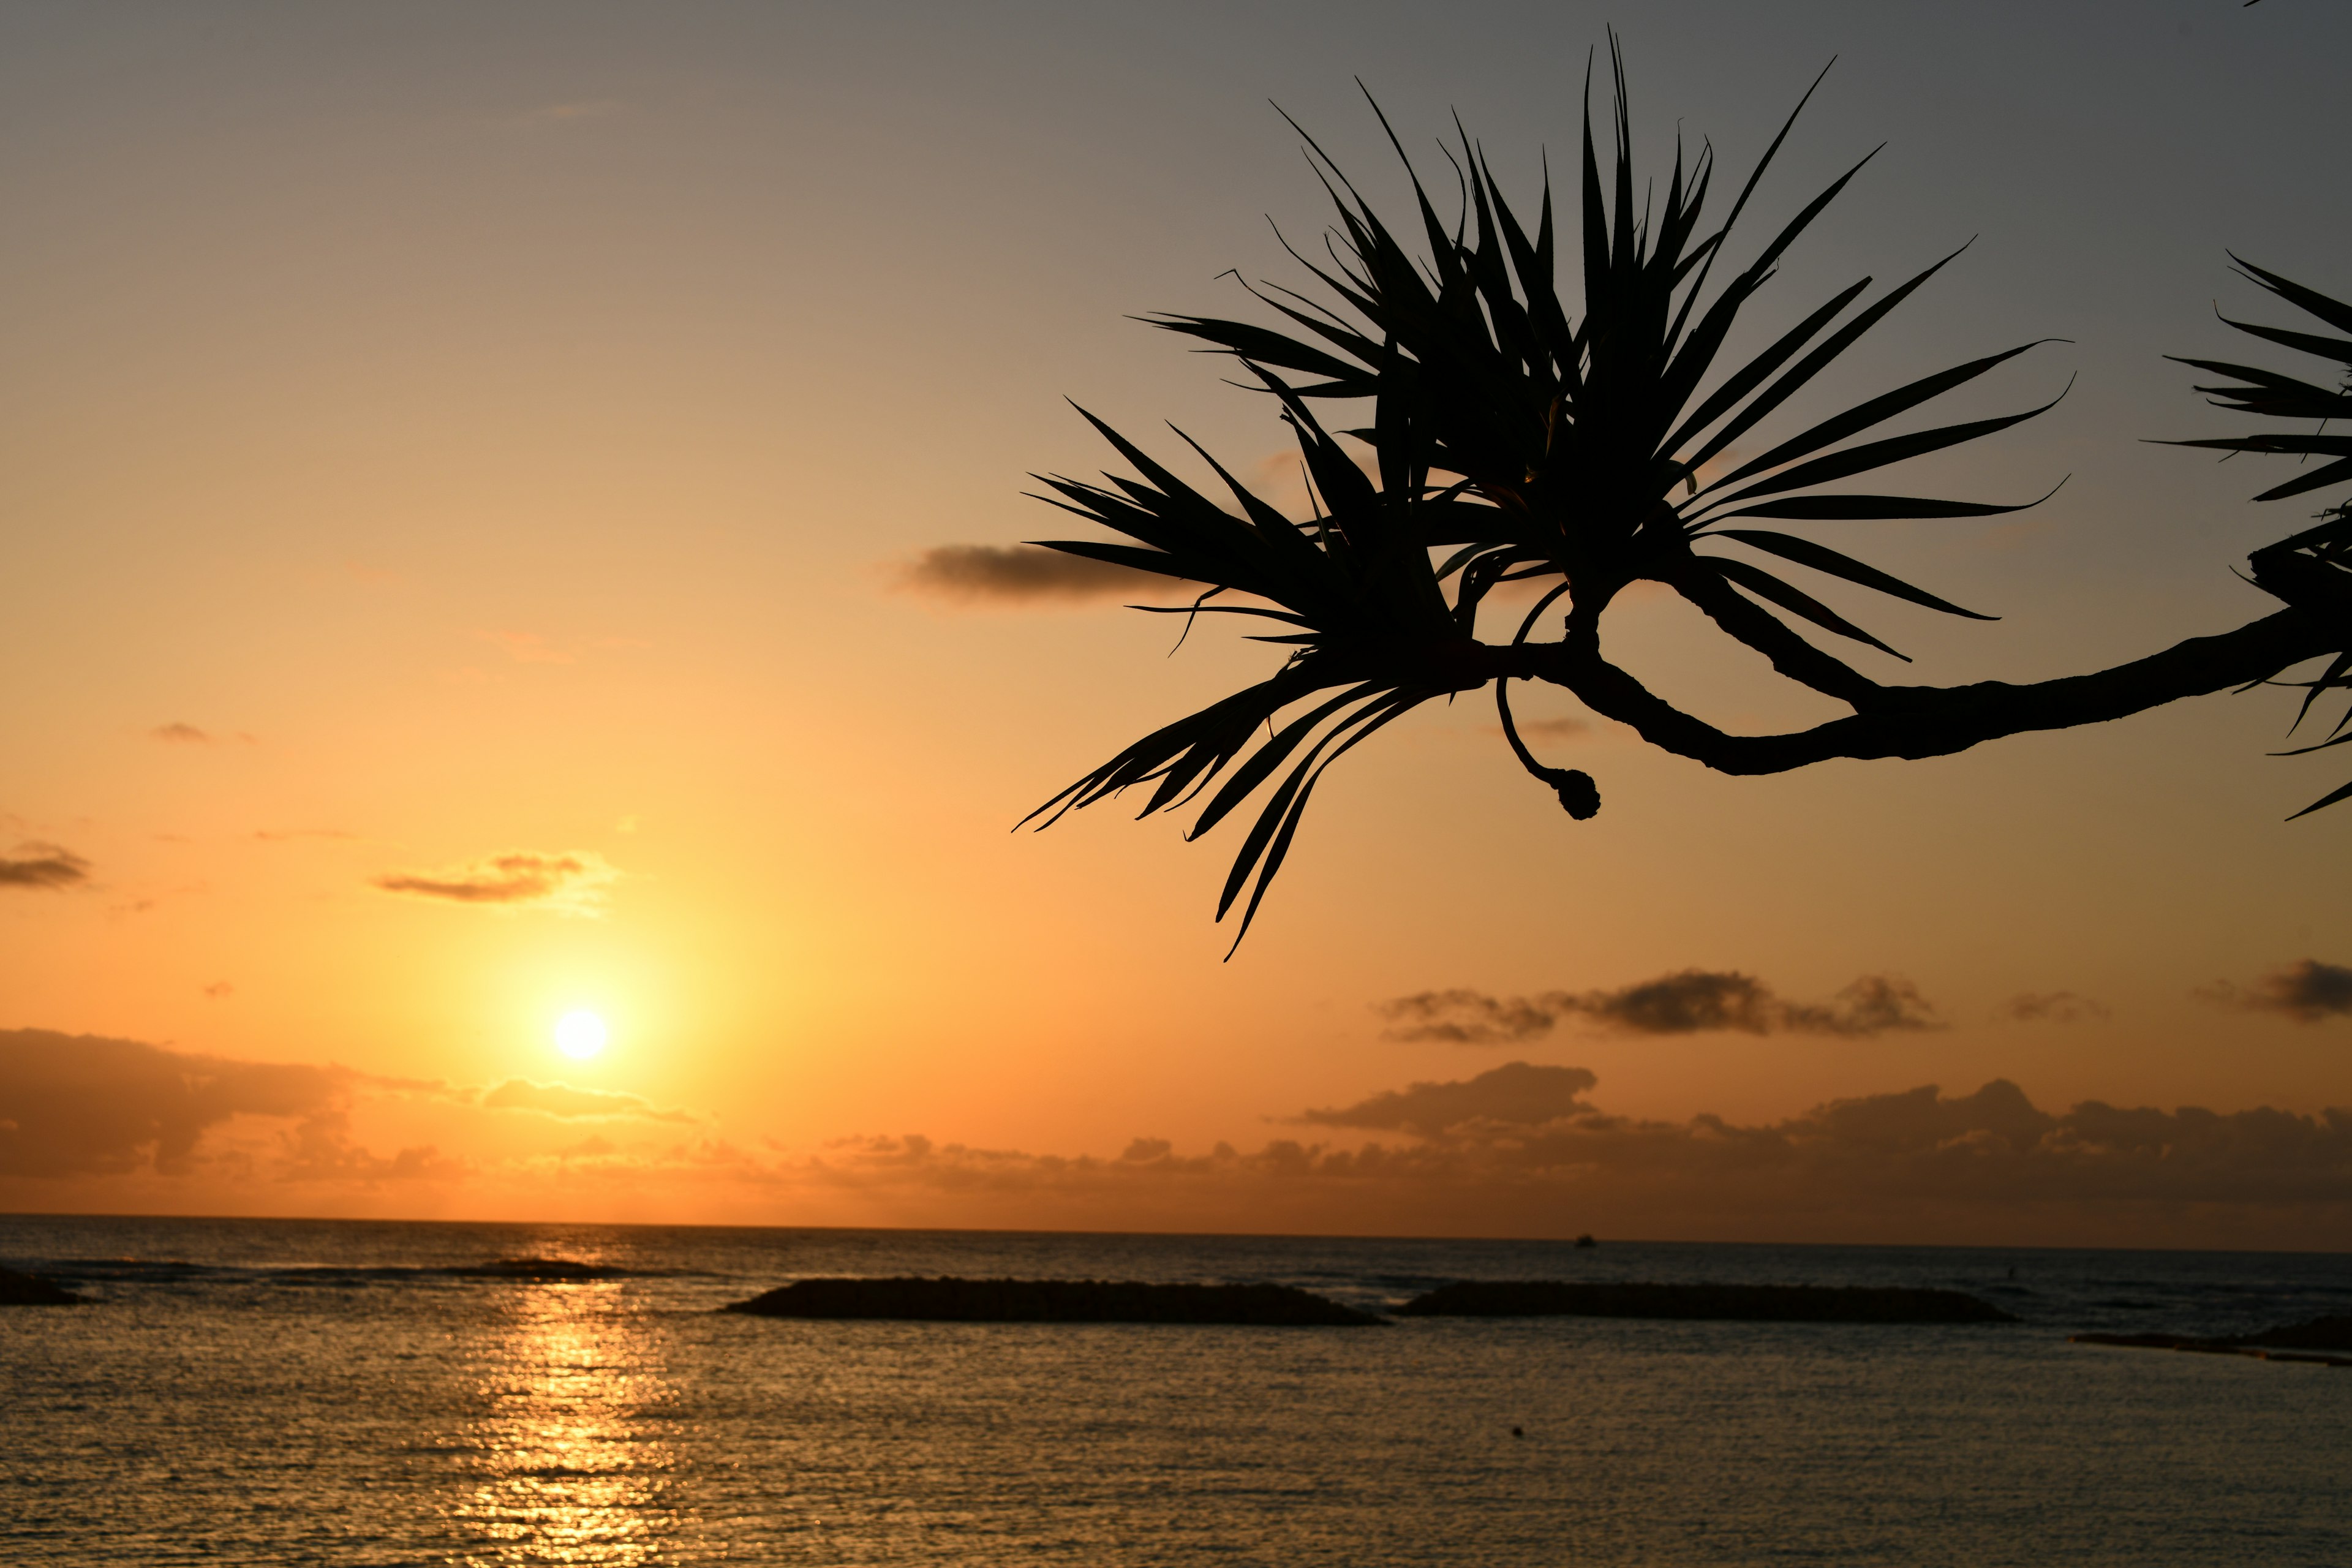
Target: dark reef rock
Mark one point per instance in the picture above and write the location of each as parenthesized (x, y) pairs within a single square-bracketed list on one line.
[(1741, 1303), (1050, 1301), (2286, 1343), (32, 1290), (2156, 1342), (2319, 1334)]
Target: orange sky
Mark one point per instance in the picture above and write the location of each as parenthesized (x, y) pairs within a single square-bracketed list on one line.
[(433, 435)]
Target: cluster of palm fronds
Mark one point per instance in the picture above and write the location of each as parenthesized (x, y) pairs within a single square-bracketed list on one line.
[(2312, 569), (1516, 438)]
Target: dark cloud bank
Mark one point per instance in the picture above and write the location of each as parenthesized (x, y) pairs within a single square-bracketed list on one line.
[(82, 1105), (1694, 1001)]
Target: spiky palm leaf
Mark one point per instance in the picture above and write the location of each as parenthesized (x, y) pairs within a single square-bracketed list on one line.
[(1563, 442), (2313, 568)]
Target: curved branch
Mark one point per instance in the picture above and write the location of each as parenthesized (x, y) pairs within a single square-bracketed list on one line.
[(1929, 720)]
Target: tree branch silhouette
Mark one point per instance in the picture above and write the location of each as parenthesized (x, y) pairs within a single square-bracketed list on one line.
[(1515, 442)]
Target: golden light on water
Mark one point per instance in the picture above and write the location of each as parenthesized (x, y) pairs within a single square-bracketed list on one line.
[(571, 1461), (580, 1034)]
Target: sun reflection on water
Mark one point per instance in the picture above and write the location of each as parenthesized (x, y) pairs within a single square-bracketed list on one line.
[(573, 1459)]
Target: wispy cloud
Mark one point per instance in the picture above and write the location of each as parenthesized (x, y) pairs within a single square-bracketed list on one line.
[(1693, 1000), (178, 734), (40, 864), (562, 1099), (1021, 573), (572, 883), (2307, 991), (2049, 1007), (1560, 729)]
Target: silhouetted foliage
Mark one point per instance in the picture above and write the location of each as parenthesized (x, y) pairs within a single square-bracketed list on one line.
[(1515, 440), (2313, 568)]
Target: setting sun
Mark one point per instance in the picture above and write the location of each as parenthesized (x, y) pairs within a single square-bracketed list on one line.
[(580, 1034)]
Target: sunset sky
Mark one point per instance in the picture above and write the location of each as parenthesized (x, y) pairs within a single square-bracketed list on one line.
[(478, 486)]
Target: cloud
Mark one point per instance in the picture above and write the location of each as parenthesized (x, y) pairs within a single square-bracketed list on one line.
[(38, 865), (1515, 1094), (1892, 1167), (2049, 1007), (282, 836), (1693, 1001), (562, 1099), (1020, 574), (2307, 991), (1521, 1150), (572, 883), (1469, 1017), (1551, 729), (177, 735), (78, 1105)]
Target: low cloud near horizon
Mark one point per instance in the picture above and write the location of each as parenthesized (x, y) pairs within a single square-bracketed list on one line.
[(1519, 1150), (1021, 573), (572, 883), (2307, 991), (40, 864), (1690, 1002), (562, 1099)]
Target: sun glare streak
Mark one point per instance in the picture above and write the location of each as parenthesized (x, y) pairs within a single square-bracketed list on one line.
[(580, 1034)]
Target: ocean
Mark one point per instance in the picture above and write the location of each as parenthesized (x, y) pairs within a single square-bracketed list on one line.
[(300, 1392)]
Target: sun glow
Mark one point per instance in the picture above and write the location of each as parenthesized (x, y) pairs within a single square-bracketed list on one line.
[(580, 1034)]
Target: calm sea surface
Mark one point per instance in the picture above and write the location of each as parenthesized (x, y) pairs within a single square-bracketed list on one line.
[(254, 1392)]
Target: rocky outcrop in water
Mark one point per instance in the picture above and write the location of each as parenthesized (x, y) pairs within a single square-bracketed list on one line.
[(2319, 1334), (2294, 1342), (950, 1299), (1734, 1303), (32, 1290)]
